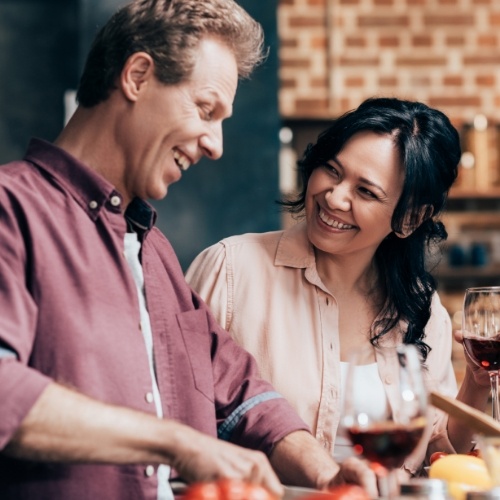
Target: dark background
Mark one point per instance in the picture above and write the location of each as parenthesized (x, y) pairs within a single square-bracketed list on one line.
[(43, 44)]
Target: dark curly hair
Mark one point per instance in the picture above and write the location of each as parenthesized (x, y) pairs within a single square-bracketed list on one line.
[(170, 32), (429, 147)]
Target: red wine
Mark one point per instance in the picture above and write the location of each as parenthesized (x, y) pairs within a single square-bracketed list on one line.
[(386, 444), (485, 352)]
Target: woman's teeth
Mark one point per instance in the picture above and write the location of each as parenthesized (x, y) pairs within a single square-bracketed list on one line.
[(333, 223), (182, 161)]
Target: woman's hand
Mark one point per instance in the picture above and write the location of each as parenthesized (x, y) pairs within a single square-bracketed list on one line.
[(477, 374)]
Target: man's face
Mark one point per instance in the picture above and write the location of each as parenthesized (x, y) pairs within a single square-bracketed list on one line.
[(173, 126)]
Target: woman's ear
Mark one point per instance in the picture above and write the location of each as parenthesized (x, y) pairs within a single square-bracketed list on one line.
[(408, 228), (137, 71)]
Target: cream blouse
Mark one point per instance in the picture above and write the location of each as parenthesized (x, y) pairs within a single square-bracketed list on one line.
[(265, 290)]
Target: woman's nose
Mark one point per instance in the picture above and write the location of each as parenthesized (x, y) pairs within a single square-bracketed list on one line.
[(339, 197)]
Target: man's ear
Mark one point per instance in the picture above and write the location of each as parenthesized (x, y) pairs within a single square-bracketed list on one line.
[(137, 71), (408, 227)]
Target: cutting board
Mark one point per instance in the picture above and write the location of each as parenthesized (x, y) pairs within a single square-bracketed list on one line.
[(477, 420)]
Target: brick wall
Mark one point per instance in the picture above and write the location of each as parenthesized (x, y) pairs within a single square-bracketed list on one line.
[(335, 53)]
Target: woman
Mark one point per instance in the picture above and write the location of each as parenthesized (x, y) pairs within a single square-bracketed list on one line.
[(352, 272)]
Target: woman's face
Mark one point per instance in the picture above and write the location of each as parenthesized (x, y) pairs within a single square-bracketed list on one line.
[(351, 199)]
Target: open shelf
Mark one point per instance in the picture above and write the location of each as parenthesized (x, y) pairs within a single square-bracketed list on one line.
[(463, 193)]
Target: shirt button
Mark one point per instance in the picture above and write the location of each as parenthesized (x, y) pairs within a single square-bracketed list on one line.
[(327, 301), (115, 201), (388, 380), (149, 397), (93, 205), (149, 471)]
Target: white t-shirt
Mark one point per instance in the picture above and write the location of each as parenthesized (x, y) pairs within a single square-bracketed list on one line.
[(132, 249)]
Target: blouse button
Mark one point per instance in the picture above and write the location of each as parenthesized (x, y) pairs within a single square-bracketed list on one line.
[(388, 380), (115, 200), (93, 205), (149, 397), (149, 471)]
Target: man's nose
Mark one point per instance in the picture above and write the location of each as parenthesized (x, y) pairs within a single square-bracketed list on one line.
[(211, 141)]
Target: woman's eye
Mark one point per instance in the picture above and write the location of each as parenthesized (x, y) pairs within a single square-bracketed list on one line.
[(332, 170), (368, 193)]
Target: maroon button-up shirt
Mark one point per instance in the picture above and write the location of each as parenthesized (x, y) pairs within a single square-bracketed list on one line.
[(69, 312)]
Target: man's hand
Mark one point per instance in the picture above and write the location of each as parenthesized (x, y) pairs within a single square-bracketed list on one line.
[(202, 458), (110, 434), (356, 471), (300, 460)]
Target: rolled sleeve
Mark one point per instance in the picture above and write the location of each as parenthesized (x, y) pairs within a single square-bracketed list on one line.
[(440, 376), (20, 387), (266, 424)]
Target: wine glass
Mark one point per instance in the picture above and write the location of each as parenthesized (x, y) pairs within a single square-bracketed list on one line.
[(385, 434), (481, 332)]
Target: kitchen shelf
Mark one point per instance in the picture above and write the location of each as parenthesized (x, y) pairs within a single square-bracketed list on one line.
[(445, 272), (463, 193)]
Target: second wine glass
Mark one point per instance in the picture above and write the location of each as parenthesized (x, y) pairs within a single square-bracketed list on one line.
[(386, 438), (481, 332)]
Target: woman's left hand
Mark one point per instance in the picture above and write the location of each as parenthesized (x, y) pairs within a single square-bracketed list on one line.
[(479, 376)]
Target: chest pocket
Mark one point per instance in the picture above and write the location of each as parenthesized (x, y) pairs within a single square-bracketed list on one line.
[(197, 340)]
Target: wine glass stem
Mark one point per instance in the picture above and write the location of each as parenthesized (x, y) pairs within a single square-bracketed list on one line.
[(388, 484), (495, 408)]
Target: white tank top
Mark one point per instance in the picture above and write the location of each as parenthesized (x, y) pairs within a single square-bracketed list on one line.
[(373, 396)]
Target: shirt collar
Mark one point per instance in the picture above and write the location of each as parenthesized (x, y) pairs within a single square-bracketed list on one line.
[(88, 188), (294, 248)]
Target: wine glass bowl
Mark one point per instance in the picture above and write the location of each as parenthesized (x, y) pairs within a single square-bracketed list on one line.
[(389, 443), (386, 434), (481, 334)]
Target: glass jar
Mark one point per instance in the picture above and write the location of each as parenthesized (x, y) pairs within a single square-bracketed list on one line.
[(493, 494), (422, 488)]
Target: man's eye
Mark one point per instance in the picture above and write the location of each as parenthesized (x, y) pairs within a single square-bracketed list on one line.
[(207, 113)]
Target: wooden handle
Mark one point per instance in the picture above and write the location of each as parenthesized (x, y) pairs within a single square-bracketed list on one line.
[(477, 420)]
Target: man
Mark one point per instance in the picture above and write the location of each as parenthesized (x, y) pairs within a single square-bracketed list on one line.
[(113, 373)]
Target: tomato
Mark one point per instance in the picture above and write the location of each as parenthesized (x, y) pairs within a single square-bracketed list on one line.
[(227, 489), (256, 492), (348, 492), (231, 489), (341, 492), (475, 453), (202, 491), (436, 455)]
